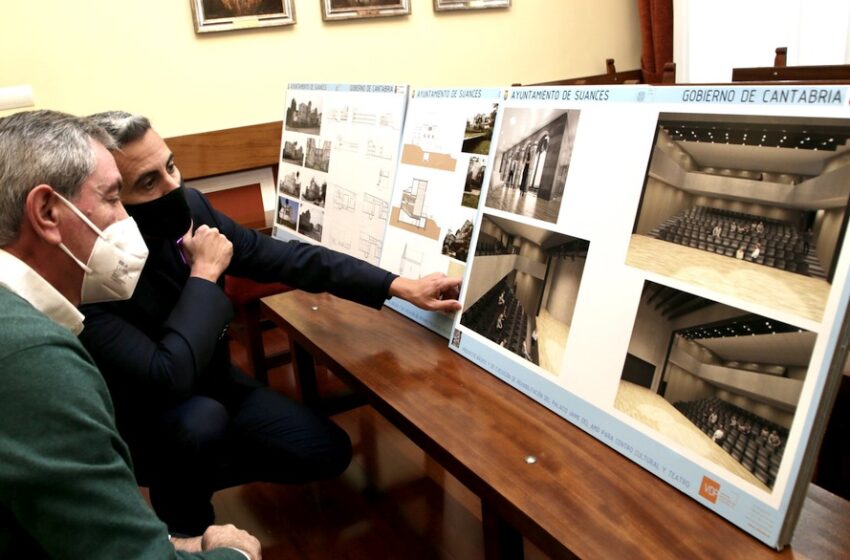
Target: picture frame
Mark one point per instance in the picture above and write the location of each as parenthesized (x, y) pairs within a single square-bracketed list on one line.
[(456, 5), (228, 15), (333, 10)]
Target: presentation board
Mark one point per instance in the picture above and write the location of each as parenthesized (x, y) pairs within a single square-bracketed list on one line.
[(339, 152), (444, 156), (666, 268)]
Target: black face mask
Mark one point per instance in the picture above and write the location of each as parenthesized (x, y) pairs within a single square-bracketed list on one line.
[(167, 217)]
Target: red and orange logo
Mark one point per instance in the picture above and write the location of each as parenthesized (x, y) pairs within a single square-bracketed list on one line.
[(709, 489)]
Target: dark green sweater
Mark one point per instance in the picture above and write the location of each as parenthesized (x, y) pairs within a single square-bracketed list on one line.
[(66, 485)]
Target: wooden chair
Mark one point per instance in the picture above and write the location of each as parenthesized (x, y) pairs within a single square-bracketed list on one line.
[(669, 75), (248, 323), (611, 77), (779, 72)]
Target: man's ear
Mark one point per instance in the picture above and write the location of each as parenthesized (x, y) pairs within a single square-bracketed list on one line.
[(42, 214)]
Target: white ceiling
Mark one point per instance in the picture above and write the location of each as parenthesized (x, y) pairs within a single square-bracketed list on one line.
[(531, 233), (784, 349), (759, 158)]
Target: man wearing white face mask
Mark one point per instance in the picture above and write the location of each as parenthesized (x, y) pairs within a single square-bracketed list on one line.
[(66, 486), (116, 260)]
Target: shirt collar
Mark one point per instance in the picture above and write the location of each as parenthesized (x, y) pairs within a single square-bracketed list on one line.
[(18, 277)]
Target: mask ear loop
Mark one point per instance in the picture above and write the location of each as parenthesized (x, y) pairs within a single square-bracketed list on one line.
[(85, 267), (64, 248), (82, 216)]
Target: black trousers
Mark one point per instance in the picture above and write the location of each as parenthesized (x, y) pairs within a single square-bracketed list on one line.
[(237, 434)]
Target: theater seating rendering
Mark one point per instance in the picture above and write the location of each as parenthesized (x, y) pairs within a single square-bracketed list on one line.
[(752, 449), (483, 316), (781, 246)]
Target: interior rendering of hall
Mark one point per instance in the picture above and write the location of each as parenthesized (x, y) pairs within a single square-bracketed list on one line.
[(523, 287), (749, 206), (715, 380), (532, 161)]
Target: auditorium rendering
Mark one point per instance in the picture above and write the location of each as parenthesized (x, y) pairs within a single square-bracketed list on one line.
[(714, 379), (749, 206), (523, 287)]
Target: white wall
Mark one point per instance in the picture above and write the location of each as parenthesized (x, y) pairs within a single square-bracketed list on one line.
[(712, 38), (562, 292), (488, 271), (85, 56)]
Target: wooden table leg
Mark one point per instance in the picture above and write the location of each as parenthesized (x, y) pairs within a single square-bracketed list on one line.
[(501, 541), (304, 367)]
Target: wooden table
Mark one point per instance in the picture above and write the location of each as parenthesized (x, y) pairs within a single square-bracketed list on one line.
[(579, 499)]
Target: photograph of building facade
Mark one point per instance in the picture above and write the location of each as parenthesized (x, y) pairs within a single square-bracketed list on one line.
[(293, 152), (318, 154), (479, 132), (290, 183), (315, 191), (310, 223), (533, 153), (304, 117), (287, 214)]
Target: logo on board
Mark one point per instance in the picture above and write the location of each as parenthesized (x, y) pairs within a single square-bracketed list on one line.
[(709, 489)]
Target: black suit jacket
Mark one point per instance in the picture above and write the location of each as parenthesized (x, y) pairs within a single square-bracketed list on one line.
[(167, 342)]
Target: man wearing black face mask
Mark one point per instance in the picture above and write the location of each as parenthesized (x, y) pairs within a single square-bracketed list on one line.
[(195, 424)]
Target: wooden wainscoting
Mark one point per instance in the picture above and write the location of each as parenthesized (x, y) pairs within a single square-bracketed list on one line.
[(226, 151)]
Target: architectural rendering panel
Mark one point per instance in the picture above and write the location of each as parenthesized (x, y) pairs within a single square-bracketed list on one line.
[(435, 200), (345, 141), (666, 268)]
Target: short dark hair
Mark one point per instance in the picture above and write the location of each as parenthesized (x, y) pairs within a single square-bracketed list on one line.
[(124, 127)]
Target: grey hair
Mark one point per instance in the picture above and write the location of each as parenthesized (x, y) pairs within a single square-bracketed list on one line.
[(124, 127), (43, 148)]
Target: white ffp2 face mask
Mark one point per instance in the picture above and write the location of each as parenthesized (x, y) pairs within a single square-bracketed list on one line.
[(116, 260)]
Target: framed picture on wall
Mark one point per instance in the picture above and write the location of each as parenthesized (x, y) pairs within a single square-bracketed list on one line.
[(355, 9), (448, 5), (227, 15)]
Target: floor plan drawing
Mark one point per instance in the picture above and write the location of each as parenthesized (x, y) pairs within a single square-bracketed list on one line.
[(347, 144), (375, 208), (383, 183), (339, 114), (411, 261), (344, 199), (339, 239), (370, 247), (378, 150)]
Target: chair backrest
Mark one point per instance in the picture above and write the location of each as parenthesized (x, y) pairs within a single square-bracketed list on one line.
[(611, 76), (779, 72), (243, 204)]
